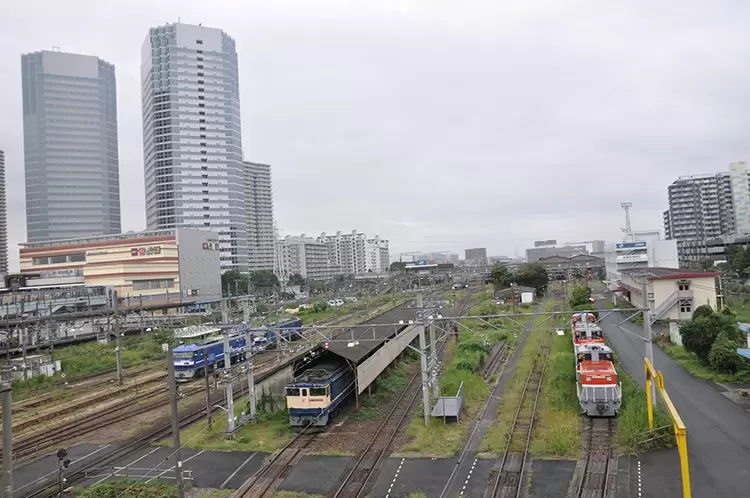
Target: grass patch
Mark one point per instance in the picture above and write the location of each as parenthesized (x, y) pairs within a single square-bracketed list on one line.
[(92, 358), (633, 419), (269, 433), (557, 430), (441, 439), (695, 367), (128, 489), (497, 436), (387, 387)]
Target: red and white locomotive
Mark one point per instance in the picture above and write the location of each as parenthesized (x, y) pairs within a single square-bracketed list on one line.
[(598, 391)]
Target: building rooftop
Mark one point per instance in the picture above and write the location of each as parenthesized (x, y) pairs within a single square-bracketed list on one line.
[(657, 273)]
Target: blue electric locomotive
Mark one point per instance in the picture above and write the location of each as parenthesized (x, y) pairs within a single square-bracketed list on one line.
[(192, 360), (268, 336), (317, 393)]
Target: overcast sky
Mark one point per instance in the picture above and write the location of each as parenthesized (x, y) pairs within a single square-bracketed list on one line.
[(437, 124)]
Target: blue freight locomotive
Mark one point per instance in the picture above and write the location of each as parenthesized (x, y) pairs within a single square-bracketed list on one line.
[(268, 336), (316, 394), (192, 360)]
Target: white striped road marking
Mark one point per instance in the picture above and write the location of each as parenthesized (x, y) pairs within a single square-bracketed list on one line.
[(640, 495), (178, 463), (471, 470), (128, 465), (71, 463), (398, 470), (238, 469)]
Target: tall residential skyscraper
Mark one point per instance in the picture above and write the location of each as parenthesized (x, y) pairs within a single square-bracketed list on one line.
[(191, 135), (70, 146), (700, 207), (3, 219), (259, 216), (740, 180)]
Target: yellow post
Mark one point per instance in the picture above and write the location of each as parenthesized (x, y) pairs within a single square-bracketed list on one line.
[(649, 401), (652, 375), (682, 447)]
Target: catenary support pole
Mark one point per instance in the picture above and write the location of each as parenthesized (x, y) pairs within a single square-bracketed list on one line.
[(647, 336), (225, 310), (228, 381), (118, 358), (425, 376), (24, 332), (209, 421), (250, 374), (175, 424), (434, 361), (7, 400)]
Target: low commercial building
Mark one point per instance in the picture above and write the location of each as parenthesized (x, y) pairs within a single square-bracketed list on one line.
[(476, 256), (541, 251), (671, 293), (646, 249), (153, 266)]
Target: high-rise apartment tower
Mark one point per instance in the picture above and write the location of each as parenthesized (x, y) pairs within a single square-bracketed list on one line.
[(259, 215), (70, 146), (3, 219), (191, 135)]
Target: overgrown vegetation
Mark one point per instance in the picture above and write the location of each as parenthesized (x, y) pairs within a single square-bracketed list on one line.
[(93, 357), (439, 439), (269, 433), (387, 386), (710, 341), (129, 489), (632, 423), (557, 431)]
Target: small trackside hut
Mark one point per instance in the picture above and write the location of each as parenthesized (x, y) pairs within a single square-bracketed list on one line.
[(325, 378)]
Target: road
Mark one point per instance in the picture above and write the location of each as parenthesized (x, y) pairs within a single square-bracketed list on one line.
[(718, 435)]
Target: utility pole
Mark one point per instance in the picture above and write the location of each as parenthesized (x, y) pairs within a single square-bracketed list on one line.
[(434, 359), (175, 424), (647, 334), (7, 396), (425, 374), (23, 349), (116, 307), (208, 390), (250, 373), (228, 380)]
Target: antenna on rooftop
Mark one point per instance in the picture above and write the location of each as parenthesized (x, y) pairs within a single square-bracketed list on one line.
[(628, 229)]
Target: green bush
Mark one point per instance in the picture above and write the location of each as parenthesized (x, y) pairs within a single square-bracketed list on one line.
[(723, 356)]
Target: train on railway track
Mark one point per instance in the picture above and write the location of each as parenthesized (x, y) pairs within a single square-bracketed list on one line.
[(317, 393), (194, 360), (599, 393)]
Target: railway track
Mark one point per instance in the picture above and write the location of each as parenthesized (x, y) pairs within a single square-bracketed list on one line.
[(265, 482), (508, 482), (595, 480)]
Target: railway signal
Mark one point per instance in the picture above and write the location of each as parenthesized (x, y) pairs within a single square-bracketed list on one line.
[(62, 464)]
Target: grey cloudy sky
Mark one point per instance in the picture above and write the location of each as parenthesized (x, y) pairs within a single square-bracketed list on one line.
[(435, 123)]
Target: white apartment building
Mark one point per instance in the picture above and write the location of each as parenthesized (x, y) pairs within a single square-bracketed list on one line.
[(192, 148), (261, 236), (645, 249), (377, 255), (347, 250), (306, 256)]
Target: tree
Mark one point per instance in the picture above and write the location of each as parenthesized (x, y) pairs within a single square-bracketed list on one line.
[(699, 334), (263, 279), (234, 283), (398, 266), (296, 279), (533, 275), (501, 276), (723, 356), (581, 296)]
